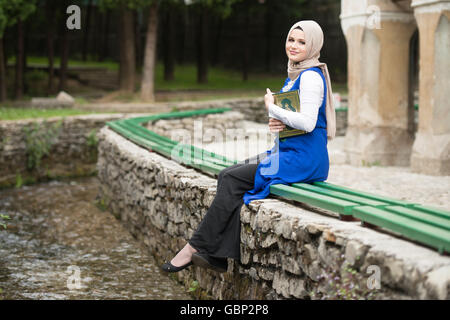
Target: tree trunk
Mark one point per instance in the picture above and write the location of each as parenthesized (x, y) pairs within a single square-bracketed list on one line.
[(127, 68), (245, 42), (64, 60), (268, 29), (148, 72), (183, 37), (26, 30), (202, 47), (104, 48), (18, 87), (50, 47), (138, 39), (86, 31), (2, 72), (169, 48), (215, 59)]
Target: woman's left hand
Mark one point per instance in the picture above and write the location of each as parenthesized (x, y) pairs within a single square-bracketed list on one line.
[(268, 98)]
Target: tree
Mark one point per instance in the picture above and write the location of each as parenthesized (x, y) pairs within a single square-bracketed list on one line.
[(127, 69), (86, 28), (3, 23), (205, 9), (64, 49), (50, 17), (171, 9), (148, 71), (14, 12), (127, 53)]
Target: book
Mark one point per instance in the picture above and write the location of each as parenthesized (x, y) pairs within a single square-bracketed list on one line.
[(289, 101)]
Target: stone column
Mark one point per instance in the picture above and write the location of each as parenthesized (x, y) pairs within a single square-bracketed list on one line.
[(378, 34), (431, 149)]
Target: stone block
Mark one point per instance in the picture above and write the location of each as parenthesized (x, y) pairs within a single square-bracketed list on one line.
[(438, 283)]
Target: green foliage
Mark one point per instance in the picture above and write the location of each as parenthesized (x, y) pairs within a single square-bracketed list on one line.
[(13, 10), (38, 140), (193, 286), (2, 218), (19, 180), (131, 4), (222, 8), (101, 204), (3, 21), (92, 140)]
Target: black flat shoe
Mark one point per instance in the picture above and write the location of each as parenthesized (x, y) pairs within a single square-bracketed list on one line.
[(206, 261), (168, 267)]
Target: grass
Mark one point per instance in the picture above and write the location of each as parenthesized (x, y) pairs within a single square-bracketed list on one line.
[(9, 113), (43, 61), (218, 79), (186, 77)]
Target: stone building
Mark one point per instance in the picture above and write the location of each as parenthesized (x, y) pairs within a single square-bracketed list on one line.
[(386, 62)]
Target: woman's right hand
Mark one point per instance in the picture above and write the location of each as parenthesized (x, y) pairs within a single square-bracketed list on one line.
[(276, 125)]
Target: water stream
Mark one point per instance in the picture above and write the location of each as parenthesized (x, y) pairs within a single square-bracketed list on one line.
[(60, 245)]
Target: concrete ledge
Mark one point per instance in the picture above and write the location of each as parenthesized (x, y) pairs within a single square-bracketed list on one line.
[(287, 251)]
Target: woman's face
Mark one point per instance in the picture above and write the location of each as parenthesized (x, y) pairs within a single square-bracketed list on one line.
[(296, 46)]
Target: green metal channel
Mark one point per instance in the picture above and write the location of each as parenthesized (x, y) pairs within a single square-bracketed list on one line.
[(439, 213), (413, 229), (210, 156), (168, 151), (340, 195), (420, 216), (198, 152), (434, 211), (367, 195), (179, 114), (325, 202), (142, 141), (152, 142), (149, 134)]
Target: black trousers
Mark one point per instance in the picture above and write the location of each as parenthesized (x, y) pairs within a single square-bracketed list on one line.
[(219, 233)]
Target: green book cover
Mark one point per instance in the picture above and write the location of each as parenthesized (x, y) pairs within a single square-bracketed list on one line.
[(289, 101)]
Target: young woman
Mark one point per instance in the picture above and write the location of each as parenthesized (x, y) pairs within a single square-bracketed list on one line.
[(301, 158)]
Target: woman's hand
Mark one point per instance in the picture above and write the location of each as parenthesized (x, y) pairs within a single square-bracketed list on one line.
[(268, 98), (276, 125)]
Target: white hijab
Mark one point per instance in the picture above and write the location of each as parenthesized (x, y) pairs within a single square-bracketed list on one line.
[(314, 41)]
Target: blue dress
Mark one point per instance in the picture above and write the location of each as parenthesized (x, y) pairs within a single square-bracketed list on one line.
[(301, 158)]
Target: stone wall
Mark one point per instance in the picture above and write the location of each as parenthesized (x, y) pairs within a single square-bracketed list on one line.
[(175, 128), (254, 110), (288, 251), (223, 122), (71, 144)]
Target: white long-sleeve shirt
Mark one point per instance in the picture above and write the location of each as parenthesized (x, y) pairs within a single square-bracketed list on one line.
[(311, 97)]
